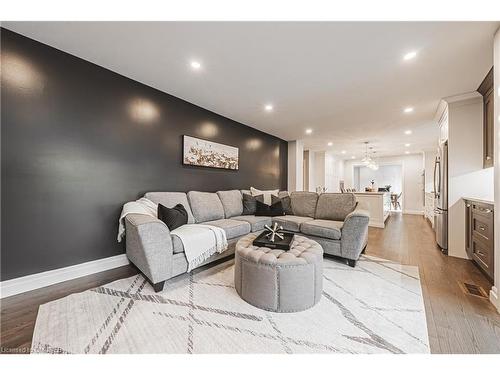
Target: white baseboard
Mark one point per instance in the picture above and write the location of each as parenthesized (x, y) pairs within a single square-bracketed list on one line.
[(42, 279), (376, 224), (413, 212), (495, 300)]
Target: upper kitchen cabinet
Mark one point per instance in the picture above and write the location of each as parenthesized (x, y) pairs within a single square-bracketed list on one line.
[(486, 90)]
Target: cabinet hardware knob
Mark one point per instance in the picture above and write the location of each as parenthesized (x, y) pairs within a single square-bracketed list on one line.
[(467, 205), (488, 157), (482, 228)]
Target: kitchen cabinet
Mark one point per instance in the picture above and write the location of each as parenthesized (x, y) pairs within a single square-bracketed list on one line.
[(479, 234), (486, 90), (443, 127)]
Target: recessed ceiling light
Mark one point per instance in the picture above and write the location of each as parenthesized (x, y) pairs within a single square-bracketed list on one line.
[(408, 132), (408, 110), (330, 144), (407, 152), (343, 151), (410, 55), (407, 145), (353, 157), (268, 107), (309, 131), (195, 65)]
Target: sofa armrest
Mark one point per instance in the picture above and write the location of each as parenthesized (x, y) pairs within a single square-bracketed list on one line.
[(149, 246), (354, 233)]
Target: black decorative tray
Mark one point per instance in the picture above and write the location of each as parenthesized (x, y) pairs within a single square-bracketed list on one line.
[(283, 244)]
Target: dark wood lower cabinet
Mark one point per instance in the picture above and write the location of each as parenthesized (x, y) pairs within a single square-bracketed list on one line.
[(479, 235)]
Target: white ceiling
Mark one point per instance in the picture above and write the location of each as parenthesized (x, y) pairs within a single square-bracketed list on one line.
[(345, 80)]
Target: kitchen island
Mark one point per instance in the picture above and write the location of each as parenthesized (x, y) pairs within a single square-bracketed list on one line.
[(378, 204)]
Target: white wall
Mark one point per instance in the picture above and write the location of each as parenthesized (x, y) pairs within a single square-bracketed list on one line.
[(311, 174), (494, 294), (466, 176), (334, 172), (412, 199), (319, 169), (385, 175), (429, 158), (295, 165)]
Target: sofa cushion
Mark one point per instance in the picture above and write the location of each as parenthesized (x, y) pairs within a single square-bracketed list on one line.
[(233, 228), (256, 222), (232, 201), (323, 228), (170, 199), (303, 203), (335, 206), (205, 206), (291, 222)]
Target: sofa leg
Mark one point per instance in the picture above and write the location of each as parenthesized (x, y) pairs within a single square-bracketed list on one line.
[(351, 263), (158, 287)]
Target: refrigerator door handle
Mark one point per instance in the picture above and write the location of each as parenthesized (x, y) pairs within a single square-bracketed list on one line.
[(438, 188), (439, 181)]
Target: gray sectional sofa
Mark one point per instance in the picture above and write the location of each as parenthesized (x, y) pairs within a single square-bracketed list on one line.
[(333, 220)]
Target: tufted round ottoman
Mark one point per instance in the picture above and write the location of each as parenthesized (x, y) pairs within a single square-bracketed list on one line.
[(278, 280)]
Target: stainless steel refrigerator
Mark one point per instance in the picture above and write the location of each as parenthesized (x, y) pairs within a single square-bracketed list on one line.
[(441, 197)]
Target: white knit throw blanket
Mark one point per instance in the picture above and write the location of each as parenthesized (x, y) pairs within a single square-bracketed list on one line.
[(141, 206), (200, 242)]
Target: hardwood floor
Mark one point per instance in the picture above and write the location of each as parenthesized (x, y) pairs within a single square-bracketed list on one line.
[(457, 323)]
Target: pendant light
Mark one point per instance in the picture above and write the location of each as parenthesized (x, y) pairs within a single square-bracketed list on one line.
[(367, 159), (373, 165)]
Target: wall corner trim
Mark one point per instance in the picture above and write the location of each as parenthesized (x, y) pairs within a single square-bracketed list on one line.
[(494, 299), (43, 279)]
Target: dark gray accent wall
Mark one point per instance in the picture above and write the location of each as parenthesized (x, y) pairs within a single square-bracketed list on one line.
[(78, 141)]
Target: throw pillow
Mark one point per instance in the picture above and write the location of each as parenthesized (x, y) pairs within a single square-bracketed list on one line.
[(173, 217), (287, 205), (266, 193), (249, 204), (275, 209)]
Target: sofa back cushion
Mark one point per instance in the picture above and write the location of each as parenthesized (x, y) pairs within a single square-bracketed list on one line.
[(205, 206), (335, 206), (232, 201), (170, 199), (303, 203)]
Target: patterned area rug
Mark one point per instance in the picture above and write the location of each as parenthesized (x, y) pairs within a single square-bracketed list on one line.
[(376, 307)]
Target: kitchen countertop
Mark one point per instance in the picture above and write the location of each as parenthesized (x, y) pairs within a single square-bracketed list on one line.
[(486, 201), (371, 192)]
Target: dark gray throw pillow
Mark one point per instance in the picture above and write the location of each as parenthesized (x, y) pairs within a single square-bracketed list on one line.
[(275, 209), (287, 205), (250, 204), (173, 217)]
